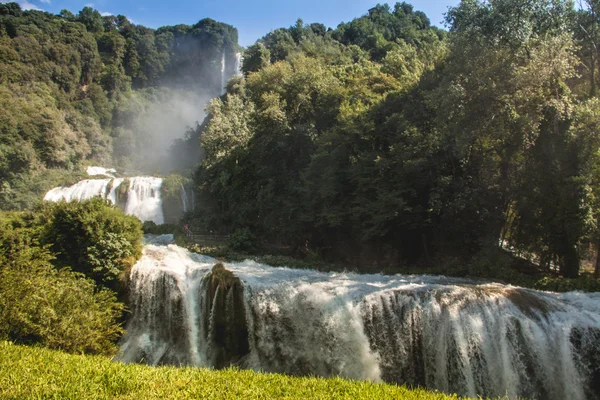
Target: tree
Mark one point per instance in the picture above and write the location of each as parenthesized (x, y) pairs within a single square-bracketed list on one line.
[(91, 19), (228, 129), (93, 238), (12, 8), (588, 35), (66, 14)]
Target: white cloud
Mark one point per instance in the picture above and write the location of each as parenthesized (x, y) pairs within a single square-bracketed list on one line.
[(90, 5), (45, 1), (26, 5), (106, 14)]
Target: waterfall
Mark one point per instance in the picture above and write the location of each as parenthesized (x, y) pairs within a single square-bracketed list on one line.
[(143, 195), (223, 78), (184, 199), (101, 171), (454, 335), (238, 64), (85, 189), (143, 199)]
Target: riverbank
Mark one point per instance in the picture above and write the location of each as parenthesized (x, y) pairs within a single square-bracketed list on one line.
[(492, 265), (34, 372)]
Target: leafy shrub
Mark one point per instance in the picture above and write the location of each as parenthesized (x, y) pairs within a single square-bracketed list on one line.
[(585, 283), (93, 238), (242, 240), (150, 227), (59, 309), (105, 256)]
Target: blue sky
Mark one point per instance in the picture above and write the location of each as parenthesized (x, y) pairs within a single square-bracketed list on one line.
[(253, 18)]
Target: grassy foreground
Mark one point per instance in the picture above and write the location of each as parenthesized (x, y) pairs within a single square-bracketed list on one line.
[(38, 373)]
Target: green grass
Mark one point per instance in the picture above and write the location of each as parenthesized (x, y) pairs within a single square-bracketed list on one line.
[(38, 373)]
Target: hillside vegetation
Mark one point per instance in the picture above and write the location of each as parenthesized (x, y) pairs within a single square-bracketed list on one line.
[(80, 89), (389, 142), (33, 373)]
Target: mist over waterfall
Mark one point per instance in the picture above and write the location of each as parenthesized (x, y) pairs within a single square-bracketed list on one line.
[(141, 197), (449, 334)]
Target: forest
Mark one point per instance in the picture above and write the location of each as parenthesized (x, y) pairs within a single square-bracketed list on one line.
[(389, 141)]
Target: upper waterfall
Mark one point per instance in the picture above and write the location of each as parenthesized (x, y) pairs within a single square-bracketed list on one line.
[(92, 171), (223, 73), (455, 335), (141, 197), (238, 64)]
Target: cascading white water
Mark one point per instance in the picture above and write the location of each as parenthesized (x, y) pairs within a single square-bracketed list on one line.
[(223, 78), (110, 172), (238, 64), (85, 189), (449, 334), (143, 195), (143, 199), (184, 199)]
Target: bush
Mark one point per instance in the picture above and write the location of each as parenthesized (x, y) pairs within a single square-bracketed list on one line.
[(59, 309), (93, 238), (149, 227), (242, 240), (585, 283), (41, 299)]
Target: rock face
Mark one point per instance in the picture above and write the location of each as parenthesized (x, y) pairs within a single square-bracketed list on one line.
[(225, 315), (448, 334), (199, 320)]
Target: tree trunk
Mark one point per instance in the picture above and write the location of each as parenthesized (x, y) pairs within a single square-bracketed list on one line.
[(570, 263)]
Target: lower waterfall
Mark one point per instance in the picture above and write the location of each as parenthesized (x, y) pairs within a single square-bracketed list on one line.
[(454, 335)]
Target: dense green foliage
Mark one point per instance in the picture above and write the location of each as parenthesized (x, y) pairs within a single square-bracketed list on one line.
[(151, 228), (387, 141), (32, 373), (58, 309), (42, 299), (93, 238), (77, 89)]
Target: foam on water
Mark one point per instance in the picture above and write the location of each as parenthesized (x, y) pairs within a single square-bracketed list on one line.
[(85, 189), (143, 195), (93, 171), (144, 200), (453, 335)]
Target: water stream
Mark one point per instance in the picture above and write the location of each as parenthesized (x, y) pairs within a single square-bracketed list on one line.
[(143, 198), (454, 335)]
